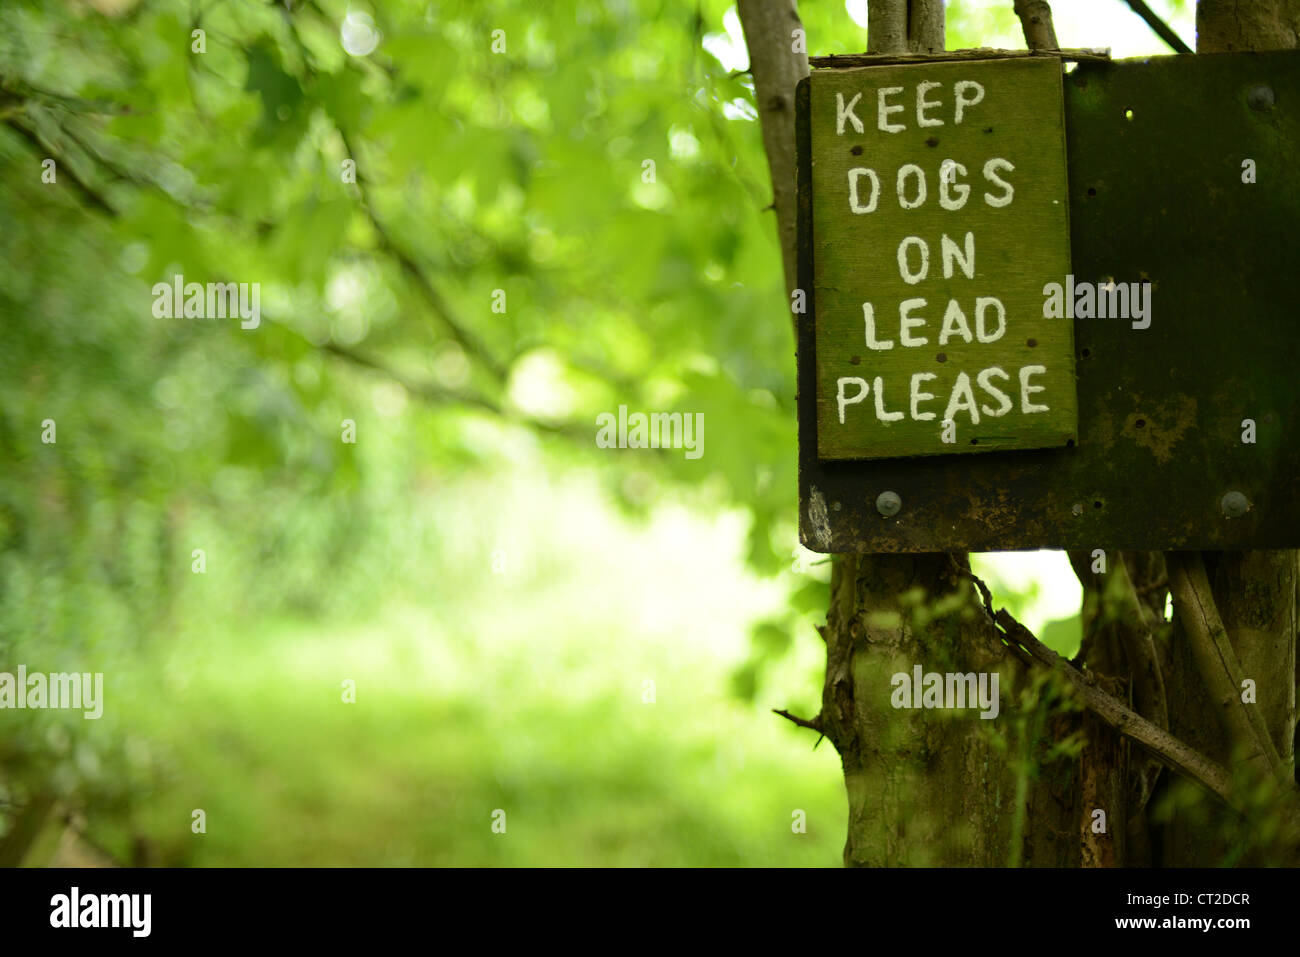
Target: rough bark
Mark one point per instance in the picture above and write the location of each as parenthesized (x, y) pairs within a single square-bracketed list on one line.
[(1121, 625), (905, 26), (1225, 25), (935, 787)]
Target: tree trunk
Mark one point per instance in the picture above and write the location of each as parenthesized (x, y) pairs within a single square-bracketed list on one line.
[(931, 787), (922, 789)]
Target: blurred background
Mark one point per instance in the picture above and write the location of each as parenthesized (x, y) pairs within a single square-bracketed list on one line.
[(360, 577)]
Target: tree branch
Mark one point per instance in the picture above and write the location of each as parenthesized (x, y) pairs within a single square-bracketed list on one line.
[(777, 67), (436, 394), (1215, 659), (1159, 26), (423, 390), (88, 192), (466, 339), (1159, 743), (1036, 22)]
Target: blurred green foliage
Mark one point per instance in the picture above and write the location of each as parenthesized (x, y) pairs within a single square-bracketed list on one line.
[(522, 171)]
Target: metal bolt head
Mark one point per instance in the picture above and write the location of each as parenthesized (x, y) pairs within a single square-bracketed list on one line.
[(1260, 98), (888, 504), (1234, 505)]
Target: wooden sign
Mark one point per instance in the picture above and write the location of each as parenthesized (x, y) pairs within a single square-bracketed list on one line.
[(939, 213), (1183, 187)]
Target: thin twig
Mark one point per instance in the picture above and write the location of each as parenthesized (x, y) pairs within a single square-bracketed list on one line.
[(814, 724), (1161, 28)]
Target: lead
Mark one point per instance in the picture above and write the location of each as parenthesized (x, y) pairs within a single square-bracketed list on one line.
[(954, 323)]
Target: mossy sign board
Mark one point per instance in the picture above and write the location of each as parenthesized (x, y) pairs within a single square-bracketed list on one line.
[(1182, 396), (939, 214)]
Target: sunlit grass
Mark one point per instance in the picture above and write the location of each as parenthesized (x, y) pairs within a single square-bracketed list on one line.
[(524, 693)]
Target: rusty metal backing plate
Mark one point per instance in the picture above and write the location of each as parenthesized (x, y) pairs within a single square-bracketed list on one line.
[(1189, 429)]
